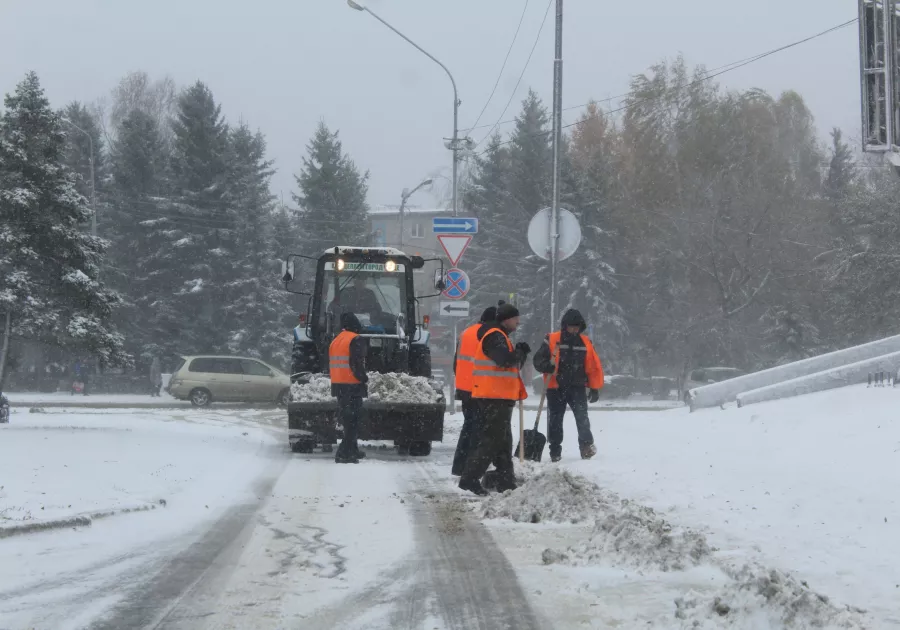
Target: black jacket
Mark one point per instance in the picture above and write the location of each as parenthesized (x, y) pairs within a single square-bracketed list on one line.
[(358, 349), (571, 358)]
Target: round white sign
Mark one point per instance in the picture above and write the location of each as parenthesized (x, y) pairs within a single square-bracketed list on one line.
[(539, 234)]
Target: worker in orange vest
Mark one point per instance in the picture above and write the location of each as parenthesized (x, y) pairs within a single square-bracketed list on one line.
[(578, 368), (463, 367), (347, 367), (496, 387)]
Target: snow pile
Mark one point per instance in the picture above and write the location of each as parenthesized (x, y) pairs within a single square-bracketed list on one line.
[(760, 597), (554, 495), (402, 388), (636, 536), (318, 389), (382, 388), (625, 534)]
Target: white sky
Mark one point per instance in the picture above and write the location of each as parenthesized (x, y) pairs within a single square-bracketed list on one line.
[(283, 65)]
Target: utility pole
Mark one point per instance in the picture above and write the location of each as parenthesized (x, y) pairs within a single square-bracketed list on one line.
[(557, 142), (93, 178)]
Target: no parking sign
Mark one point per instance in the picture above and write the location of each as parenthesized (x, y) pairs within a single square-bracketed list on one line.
[(457, 284)]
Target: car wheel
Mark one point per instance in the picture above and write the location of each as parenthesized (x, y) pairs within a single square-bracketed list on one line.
[(284, 397), (200, 397)]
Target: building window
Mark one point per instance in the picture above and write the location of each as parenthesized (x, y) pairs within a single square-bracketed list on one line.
[(417, 231)]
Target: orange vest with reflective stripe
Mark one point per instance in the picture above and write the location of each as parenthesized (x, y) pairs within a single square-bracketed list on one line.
[(492, 381), (468, 346), (592, 366), (339, 359)]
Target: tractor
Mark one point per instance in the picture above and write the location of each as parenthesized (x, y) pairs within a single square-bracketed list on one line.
[(376, 284)]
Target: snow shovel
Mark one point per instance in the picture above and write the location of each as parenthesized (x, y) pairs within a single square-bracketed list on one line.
[(533, 442)]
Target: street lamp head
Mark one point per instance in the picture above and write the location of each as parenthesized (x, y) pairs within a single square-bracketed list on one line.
[(356, 5), (428, 182)]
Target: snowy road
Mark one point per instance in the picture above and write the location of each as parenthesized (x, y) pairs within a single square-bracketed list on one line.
[(250, 536), (782, 515)]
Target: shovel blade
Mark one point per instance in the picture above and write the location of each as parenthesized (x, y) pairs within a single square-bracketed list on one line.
[(534, 445)]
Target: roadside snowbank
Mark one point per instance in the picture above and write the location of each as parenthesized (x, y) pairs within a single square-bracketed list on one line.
[(625, 534), (763, 598), (390, 387)]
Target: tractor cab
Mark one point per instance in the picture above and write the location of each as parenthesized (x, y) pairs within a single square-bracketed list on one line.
[(376, 285)]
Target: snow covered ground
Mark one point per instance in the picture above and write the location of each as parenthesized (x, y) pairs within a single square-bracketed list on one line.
[(806, 487), (58, 465), (780, 515)]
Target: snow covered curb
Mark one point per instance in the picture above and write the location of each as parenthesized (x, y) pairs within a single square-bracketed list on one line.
[(630, 536), (77, 520)]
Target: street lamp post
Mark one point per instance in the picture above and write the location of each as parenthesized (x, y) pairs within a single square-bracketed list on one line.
[(404, 196), (93, 180), (454, 142)]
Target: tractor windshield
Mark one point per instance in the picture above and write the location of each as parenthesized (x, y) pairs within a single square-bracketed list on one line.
[(376, 296)]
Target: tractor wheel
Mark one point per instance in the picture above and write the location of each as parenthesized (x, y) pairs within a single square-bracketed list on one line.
[(420, 449)]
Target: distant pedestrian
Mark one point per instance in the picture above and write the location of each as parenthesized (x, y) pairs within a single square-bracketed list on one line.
[(155, 377), (80, 377), (463, 366), (496, 387), (578, 368), (347, 367)]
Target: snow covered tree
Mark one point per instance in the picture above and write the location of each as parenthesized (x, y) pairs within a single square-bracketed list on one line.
[(49, 268), (256, 309), (841, 168), (790, 335), (143, 231), (332, 196), (493, 253), (204, 244), (588, 190), (77, 156)]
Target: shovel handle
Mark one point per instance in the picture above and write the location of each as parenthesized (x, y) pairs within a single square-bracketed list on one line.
[(521, 432)]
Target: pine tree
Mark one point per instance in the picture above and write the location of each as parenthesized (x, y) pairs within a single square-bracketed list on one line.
[(841, 169), (494, 252), (332, 197), (530, 187), (49, 267), (143, 232), (257, 310), (206, 252), (78, 154)]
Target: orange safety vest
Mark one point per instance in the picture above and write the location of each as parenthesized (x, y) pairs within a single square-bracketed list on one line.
[(339, 359), (592, 366), (465, 357), (492, 381)]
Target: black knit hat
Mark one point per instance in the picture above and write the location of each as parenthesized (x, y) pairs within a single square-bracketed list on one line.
[(506, 311), (489, 315)]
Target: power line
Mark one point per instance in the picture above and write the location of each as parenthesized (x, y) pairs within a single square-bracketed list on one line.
[(503, 67), (711, 75), (519, 82)]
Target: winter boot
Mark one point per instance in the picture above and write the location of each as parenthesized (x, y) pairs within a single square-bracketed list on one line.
[(555, 458), (473, 486), (588, 451)]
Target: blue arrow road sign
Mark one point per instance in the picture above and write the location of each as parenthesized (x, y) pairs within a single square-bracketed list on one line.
[(455, 225), (457, 284)]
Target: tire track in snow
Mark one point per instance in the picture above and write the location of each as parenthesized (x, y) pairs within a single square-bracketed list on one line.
[(151, 604), (457, 575)]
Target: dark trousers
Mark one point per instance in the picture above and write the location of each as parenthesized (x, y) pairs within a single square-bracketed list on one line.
[(349, 410), (494, 441), (468, 436), (557, 401)]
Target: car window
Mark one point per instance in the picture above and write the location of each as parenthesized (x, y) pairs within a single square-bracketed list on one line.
[(254, 368), (698, 375), (228, 366), (202, 365)]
